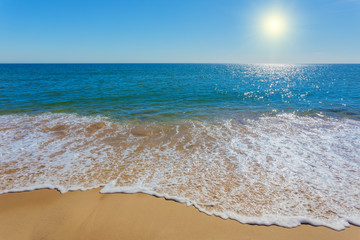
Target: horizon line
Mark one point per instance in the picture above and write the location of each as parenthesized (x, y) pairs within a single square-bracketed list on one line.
[(310, 63)]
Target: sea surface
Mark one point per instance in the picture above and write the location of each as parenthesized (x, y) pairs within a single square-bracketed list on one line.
[(262, 144)]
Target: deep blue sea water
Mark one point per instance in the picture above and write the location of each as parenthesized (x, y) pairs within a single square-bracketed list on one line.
[(177, 91), (262, 144)]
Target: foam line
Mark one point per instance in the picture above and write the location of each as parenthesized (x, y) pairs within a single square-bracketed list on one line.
[(281, 169)]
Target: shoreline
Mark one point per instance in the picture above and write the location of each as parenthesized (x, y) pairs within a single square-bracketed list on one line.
[(48, 214)]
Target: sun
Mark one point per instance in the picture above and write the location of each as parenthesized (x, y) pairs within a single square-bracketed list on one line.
[(274, 25)]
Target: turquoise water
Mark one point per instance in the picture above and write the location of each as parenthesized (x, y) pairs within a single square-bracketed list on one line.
[(262, 144), (177, 91)]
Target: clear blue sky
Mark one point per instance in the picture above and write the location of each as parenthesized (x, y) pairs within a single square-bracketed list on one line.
[(217, 31)]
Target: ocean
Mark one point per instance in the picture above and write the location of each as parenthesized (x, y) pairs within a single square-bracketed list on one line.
[(259, 143)]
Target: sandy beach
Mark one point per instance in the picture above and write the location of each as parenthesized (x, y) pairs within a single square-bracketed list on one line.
[(47, 214)]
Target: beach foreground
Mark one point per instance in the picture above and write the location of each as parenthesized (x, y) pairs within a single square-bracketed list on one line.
[(47, 214)]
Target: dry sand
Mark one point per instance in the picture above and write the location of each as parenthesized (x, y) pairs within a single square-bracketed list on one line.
[(47, 214)]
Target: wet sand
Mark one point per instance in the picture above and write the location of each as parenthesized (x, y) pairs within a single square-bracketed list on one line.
[(47, 214)]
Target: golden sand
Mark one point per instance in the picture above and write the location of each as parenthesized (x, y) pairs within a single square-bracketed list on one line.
[(47, 214)]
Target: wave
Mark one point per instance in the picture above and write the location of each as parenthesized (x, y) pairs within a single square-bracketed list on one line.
[(282, 169)]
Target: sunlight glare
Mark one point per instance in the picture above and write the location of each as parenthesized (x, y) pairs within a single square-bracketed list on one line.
[(274, 25)]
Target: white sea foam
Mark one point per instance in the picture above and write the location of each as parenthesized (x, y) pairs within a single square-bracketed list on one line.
[(282, 169)]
